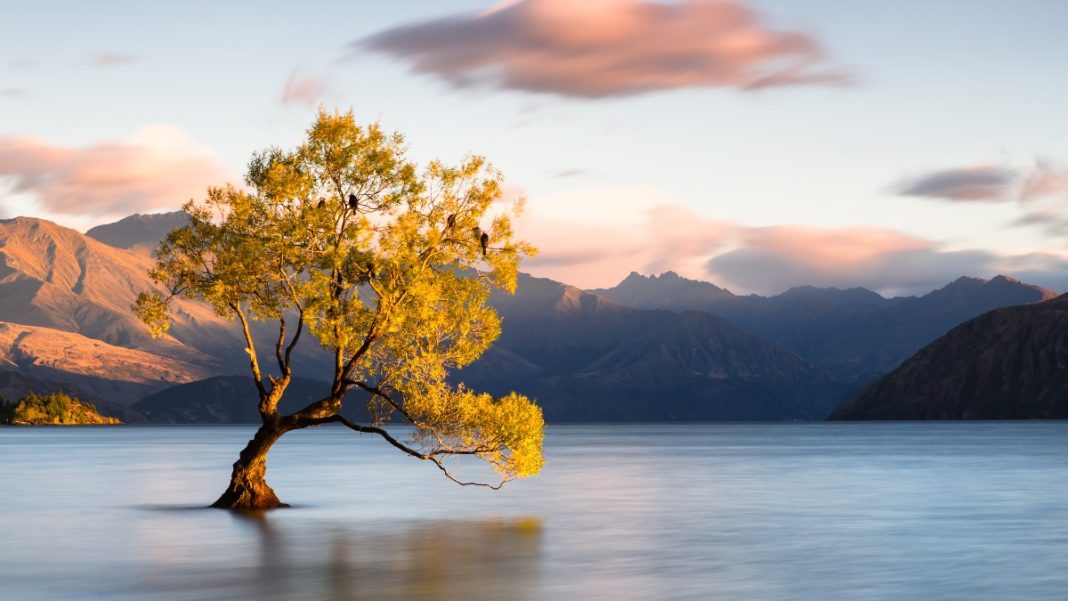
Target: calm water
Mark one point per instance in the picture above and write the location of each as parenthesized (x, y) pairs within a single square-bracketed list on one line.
[(754, 512)]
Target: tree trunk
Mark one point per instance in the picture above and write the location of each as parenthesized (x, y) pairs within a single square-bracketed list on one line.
[(248, 485)]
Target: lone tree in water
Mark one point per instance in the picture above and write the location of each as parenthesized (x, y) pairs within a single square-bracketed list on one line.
[(345, 240)]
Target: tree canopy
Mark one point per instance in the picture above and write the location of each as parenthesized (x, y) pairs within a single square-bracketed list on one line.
[(387, 265)]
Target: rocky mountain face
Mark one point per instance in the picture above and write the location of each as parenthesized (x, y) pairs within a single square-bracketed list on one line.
[(106, 371), (66, 301), (855, 335), (1010, 363)]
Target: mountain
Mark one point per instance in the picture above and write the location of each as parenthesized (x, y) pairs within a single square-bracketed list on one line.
[(668, 291), (106, 371), (140, 233), (54, 278), (231, 400), (703, 353), (584, 357), (1010, 363), (854, 334)]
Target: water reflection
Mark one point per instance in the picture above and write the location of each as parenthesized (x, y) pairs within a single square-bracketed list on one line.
[(441, 560), (835, 512)]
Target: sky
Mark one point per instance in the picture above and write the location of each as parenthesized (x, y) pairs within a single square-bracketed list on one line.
[(756, 144)]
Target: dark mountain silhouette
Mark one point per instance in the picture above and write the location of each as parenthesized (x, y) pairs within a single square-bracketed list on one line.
[(587, 358), (855, 334), (1010, 363)]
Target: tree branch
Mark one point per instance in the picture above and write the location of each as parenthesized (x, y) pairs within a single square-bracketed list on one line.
[(278, 345), (432, 457), (251, 349)]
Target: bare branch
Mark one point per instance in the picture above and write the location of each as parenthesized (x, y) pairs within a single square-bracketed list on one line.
[(448, 475), (293, 343), (254, 363), (278, 345), (414, 453)]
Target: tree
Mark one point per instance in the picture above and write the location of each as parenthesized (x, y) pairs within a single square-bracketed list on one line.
[(346, 240)]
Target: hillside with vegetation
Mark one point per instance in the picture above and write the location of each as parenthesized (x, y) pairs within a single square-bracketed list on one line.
[(54, 409)]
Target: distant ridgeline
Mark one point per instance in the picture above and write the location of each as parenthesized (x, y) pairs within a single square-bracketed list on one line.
[(57, 408)]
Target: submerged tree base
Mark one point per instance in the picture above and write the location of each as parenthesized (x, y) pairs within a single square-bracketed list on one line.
[(248, 489), (244, 499)]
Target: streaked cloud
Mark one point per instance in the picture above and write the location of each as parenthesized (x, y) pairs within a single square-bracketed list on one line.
[(303, 89), (14, 92), (1040, 191), (610, 232), (1044, 180), (990, 183), (602, 48), (111, 59), (158, 167), (771, 259), (985, 183)]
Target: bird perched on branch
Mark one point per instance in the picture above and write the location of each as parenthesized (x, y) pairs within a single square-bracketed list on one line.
[(450, 222), (354, 203)]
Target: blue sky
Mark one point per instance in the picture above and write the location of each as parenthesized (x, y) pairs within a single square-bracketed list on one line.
[(754, 189)]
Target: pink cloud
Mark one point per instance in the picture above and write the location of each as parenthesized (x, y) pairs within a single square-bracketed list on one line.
[(608, 233), (303, 88), (772, 259), (598, 48), (1044, 180), (158, 167), (594, 237)]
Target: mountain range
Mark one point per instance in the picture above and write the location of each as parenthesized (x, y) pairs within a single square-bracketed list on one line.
[(1010, 363), (585, 357), (855, 334), (652, 348)]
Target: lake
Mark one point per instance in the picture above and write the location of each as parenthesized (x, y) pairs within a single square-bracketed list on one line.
[(713, 511)]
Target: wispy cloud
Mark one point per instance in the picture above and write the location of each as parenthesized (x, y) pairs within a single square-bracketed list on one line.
[(303, 88), (980, 183), (771, 259), (111, 59), (611, 232), (990, 183), (600, 48), (157, 167), (14, 92), (1044, 180), (1040, 190)]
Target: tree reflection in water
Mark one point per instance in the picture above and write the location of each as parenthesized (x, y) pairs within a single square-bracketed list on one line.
[(440, 560)]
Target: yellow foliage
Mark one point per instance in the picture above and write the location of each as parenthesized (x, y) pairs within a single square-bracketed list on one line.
[(383, 263)]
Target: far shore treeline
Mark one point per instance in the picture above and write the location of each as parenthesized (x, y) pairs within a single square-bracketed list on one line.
[(54, 409)]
